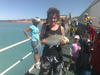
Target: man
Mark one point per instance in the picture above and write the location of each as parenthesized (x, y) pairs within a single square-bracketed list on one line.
[(34, 37), (95, 59), (86, 18)]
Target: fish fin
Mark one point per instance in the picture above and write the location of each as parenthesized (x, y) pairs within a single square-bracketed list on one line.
[(58, 44)]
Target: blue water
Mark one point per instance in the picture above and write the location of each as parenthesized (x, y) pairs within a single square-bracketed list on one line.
[(11, 33)]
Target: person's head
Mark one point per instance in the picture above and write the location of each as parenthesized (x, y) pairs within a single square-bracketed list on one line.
[(52, 15), (76, 38), (86, 14), (36, 21), (62, 21)]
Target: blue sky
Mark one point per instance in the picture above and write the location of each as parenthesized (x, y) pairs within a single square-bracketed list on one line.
[(26, 9)]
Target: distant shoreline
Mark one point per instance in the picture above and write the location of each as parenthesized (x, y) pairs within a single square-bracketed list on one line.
[(22, 20)]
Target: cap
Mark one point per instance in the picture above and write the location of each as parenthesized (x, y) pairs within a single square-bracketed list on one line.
[(86, 14), (77, 37), (37, 19)]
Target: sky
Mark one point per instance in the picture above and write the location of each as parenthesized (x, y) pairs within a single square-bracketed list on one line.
[(27, 9)]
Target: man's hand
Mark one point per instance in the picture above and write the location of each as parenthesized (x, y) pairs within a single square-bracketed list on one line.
[(30, 38)]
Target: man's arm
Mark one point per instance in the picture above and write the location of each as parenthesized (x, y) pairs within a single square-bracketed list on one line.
[(26, 33)]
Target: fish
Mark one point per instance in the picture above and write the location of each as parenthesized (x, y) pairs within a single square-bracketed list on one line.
[(54, 40)]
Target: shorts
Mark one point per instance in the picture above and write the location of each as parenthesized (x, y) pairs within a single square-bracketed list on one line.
[(36, 46)]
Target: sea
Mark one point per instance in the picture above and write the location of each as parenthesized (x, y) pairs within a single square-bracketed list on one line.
[(11, 33)]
